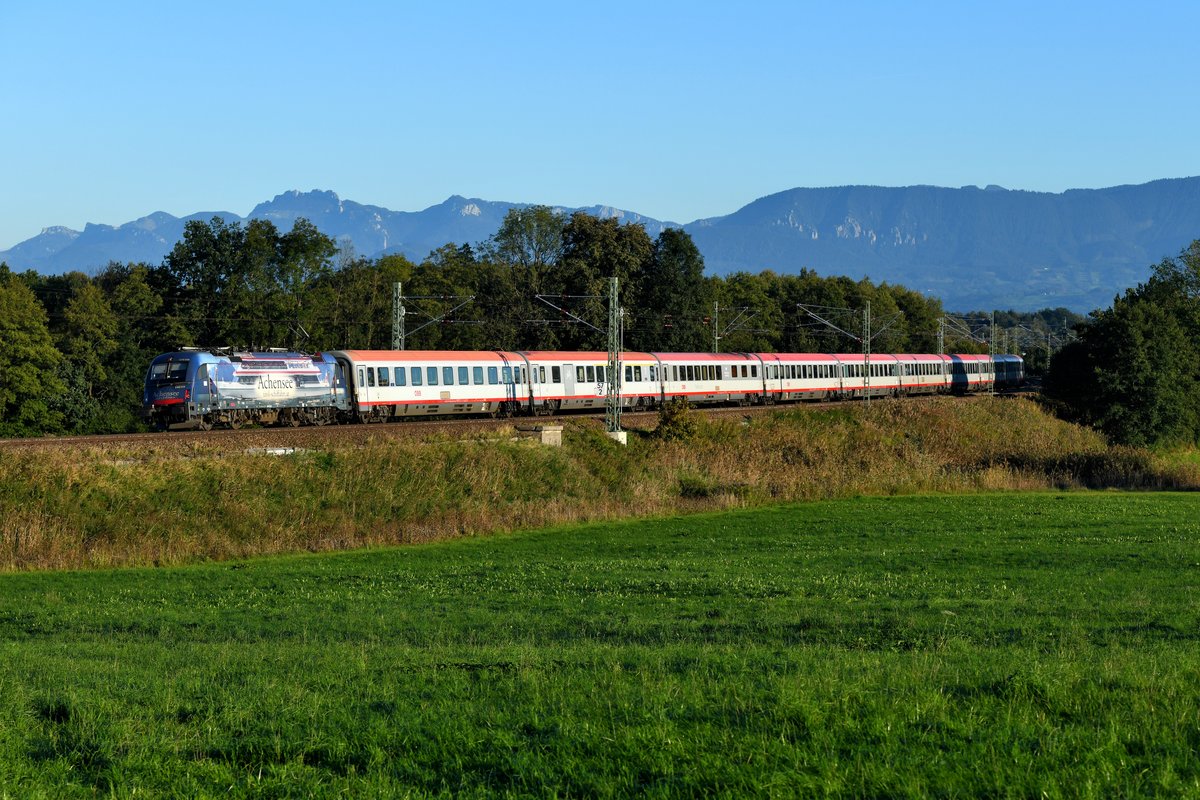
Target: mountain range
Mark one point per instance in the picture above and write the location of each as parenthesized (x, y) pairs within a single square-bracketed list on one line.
[(975, 248)]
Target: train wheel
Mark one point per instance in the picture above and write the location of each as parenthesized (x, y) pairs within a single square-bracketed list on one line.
[(205, 424)]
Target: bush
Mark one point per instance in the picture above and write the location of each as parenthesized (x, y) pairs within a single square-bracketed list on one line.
[(677, 422)]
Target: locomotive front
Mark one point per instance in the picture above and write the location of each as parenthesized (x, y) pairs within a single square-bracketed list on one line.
[(167, 400)]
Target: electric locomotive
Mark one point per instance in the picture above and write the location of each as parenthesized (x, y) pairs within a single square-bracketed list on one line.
[(202, 388)]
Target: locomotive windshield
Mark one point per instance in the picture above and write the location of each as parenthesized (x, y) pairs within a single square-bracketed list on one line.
[(168, 371)]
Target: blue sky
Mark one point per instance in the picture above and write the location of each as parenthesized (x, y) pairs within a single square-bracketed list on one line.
[(676, 110)]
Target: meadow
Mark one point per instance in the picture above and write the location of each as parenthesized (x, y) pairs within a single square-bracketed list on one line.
[(175, 504), (983, 645)]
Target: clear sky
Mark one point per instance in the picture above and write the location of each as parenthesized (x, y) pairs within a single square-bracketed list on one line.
[(110, 111)]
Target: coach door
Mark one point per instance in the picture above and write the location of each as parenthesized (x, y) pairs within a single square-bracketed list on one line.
[(569, 382)]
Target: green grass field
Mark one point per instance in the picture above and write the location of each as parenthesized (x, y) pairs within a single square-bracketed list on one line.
[(1004, 645)]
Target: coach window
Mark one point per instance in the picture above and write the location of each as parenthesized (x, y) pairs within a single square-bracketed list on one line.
[(556, 374), (415, 374), (383, 376), (579, 375), (362, 381), (628, 374), (477, 374), (448, 376), (464, 376), (370, 376), (431, 376), (400, 376), (493, 376), (506, 375), (591, 374), (541, 374)]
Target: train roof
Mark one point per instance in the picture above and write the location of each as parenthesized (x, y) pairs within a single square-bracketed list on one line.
[(705, 357), (373, 356), (583, 355)]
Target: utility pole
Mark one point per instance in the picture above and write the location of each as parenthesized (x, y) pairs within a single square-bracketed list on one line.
[(612, 400), (866, 339), (941, 336), (716, 328), (992, 347), (397, 316)]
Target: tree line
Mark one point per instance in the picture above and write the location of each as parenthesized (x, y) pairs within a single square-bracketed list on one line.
[(1134, 371), (74, 348)]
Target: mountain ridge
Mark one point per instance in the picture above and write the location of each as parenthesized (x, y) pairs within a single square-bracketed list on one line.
[(975, 248)]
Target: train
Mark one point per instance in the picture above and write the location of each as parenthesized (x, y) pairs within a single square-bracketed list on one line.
[(202, 389)]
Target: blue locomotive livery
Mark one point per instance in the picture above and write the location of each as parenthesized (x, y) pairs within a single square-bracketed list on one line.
[(201, 389)]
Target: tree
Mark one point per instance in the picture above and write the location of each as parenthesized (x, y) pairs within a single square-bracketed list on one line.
[(28, 362), (90, 337), (250, 286), (595, 250), (1135, 372), (530, 242), (674, 301)]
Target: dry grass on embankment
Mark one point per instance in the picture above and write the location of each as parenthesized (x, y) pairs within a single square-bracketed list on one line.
[(100, 508)]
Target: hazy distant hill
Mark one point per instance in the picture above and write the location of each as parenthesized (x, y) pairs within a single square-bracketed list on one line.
[(372, 230), (974, 248)]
